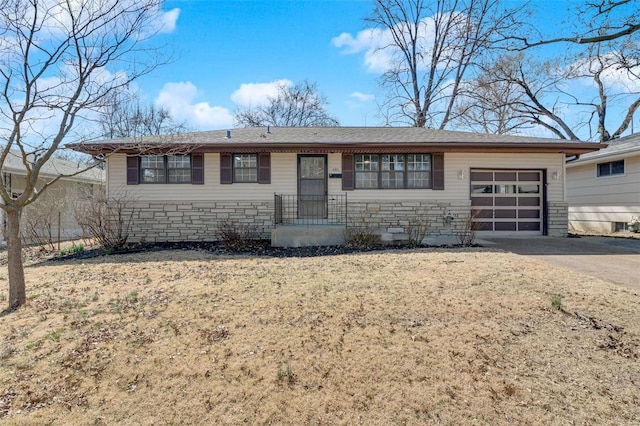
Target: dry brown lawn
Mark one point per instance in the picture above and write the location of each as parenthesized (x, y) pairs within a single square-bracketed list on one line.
[(461, 336)]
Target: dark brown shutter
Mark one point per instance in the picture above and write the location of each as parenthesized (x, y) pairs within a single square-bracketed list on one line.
[(264, 167), (133, 170), (226, 168), (438, 171), (197, 169), (348, 178)]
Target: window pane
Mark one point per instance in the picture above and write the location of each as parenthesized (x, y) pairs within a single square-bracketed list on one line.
[(153, 176), (245, 167), (528, 189), (419, 162), (393, 162), (419, 180), (392, 179), (366, 162), (245, 175), (152, 162), (366, 179), (178, 161), (481, 189), (152, 167), (617, 167), (245, 160), (505, 189), (603, 169), (179, 175)]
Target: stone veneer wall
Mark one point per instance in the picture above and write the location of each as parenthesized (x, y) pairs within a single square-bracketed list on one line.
[(558, 219), (197, 221), (401, 215)]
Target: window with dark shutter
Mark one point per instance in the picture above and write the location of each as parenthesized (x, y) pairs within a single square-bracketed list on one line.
[(226, 168), (264, 167), (133, 170), (438, 171), (197, 169), (347, 172)]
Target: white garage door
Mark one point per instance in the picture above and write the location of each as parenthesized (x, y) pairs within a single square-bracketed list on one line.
[(507, 200)]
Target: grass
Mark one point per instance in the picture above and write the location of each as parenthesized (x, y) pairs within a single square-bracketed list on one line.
[(465, 336)]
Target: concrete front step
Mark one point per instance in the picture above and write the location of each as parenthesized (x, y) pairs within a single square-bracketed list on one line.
[(307, 235)]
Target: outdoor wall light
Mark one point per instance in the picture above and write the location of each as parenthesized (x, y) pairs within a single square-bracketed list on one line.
[(556, 175), (448, 218), (462, 174)]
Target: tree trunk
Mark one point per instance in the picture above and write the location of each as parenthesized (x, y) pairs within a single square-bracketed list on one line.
[(17, 295)]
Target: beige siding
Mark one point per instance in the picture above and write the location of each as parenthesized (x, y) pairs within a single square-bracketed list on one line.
[(457, 184), (598, 203), (284, 179)]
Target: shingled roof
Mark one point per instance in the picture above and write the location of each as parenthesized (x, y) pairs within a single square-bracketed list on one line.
[(54, 167), (337, 139), (618, 148)]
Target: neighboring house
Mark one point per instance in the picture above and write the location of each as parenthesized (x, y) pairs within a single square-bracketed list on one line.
[(54, 213), (603, 187), (386, 178)]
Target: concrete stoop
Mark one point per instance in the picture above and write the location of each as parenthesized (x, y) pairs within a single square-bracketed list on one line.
[(306, 236)]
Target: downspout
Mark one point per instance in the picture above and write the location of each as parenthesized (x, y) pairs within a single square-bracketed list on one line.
[(569, 160)]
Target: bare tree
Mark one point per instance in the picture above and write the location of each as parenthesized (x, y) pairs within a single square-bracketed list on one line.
[(491, 105), (434, 45), (59, 61), (294, 106), (595, 21), (123, 116), (546, 95)]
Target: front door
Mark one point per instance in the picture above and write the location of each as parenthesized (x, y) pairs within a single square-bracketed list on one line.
[(312, 186)]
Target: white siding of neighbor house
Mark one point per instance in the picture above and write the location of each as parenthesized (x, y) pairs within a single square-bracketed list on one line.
[(60, 206), (597, 203), (284, 179)]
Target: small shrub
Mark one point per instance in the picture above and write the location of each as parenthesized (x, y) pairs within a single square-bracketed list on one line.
[(363, 237), (417, 229), (467, 235), (556, 302), (77, 249), (236, 236), (107, 219)]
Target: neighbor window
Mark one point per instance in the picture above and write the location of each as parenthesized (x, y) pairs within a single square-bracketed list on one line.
[(392, 171), (165, 169), (245, 167), (611, 168)]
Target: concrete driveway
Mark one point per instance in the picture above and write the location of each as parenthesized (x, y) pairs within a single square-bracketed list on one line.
[(613, 259)]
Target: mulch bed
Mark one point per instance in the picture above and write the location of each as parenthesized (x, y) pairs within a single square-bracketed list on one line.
[(261, 248)]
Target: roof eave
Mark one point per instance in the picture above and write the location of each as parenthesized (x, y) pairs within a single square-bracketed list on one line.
[(571, 148)]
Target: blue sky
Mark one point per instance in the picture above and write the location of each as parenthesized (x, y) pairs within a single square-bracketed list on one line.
[(223, 45), (230, 54)]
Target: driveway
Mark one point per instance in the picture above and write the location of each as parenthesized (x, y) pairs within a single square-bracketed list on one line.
[(613, 259)]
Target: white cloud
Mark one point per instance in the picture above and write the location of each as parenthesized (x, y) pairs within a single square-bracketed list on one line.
[(380, 51), (179, 99), (256, 94), (168, 20), (362, 97), (614, 77), (374, 42)]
